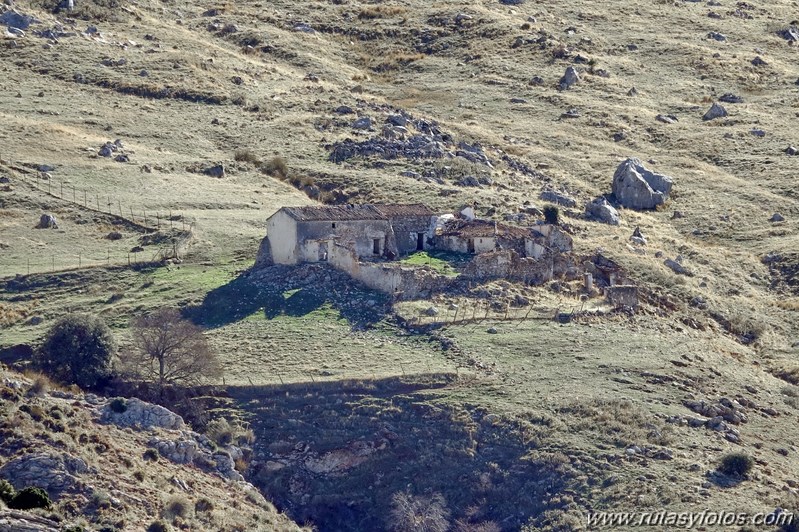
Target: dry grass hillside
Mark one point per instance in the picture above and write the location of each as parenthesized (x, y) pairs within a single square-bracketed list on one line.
[(292, 100)]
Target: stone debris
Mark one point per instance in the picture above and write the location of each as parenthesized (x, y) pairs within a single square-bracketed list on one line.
[(666, 119), (791, 150), (637, 187), (602, 211), (758, 133), (716, 36), (138, 413), (759, 61), (569, 79), (715, 111), (110, 148), (777, 217)]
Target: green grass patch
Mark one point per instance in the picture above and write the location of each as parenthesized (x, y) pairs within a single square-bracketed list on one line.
[(441, 261)]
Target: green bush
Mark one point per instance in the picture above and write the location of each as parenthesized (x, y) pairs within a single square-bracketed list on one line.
[(30, 498), (151, 455), (118, 405), (7, 491), (551, 215), (78, 350), (736, 464), (158, 526)]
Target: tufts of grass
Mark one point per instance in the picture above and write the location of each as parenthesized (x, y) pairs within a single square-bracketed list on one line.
[(276, 167), (369, 13), (247, 156)]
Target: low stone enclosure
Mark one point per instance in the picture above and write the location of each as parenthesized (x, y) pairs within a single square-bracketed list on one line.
[(367, 241)]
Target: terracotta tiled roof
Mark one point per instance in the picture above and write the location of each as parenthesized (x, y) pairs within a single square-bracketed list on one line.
[(483, 228), (356, 212)]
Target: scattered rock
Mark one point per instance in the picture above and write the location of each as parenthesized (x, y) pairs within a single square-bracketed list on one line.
[(666, 119), (536, 81), (677, 267), (602, 211), (114, 235), (492, 330), (558, 197), (632, 92), (758, 61), (217, 170), (570, 77), (571, 113), (791, 150), (790, 34), (636, 187), (777, 217), (344, 110), (758, 133), (716, 36), (362, 123), (47, 221), (431, 311), (14, 19), (715, 111), (637, 237), (730, 98)]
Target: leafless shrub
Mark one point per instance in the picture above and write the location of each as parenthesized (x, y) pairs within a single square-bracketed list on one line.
[(246, 156), (277, 167), (170, 350), (411, 513)]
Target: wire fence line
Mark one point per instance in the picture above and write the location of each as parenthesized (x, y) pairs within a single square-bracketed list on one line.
[(173, 245), (102, 203)]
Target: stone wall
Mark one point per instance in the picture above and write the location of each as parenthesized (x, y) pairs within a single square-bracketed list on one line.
[(390, 278), (622, 295)]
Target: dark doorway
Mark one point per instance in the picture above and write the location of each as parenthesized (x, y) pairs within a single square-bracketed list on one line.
[(419, 241), (470, 245), (376, 246)]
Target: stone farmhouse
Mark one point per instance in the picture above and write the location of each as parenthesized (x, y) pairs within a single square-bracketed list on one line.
[(298, 235), (364, 241)]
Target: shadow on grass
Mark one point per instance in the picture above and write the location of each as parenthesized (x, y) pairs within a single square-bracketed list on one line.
[(294, 293), (352, 445)]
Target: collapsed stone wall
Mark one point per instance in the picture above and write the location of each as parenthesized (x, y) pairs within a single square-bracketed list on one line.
[(508, 264)]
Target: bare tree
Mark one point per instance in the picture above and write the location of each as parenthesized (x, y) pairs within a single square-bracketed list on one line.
[(171, 350), (411, 513)]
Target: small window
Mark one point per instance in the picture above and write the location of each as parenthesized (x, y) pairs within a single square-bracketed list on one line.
[(334, 225)]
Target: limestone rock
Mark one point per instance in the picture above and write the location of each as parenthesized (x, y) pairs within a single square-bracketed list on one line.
[(53, 472), (716, 111), (777, 217), (676, 267), (18, 521), (180, 451), (636, 187), (14, 19), (570, 77), (140, 414), (47, 221), (602, 211)]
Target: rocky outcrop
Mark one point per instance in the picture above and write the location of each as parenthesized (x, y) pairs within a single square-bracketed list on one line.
[(193, 448), (136, 413), (51, 471), (569, 79), (637, 187), (17, 521), (602, 211), (47, 221)]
